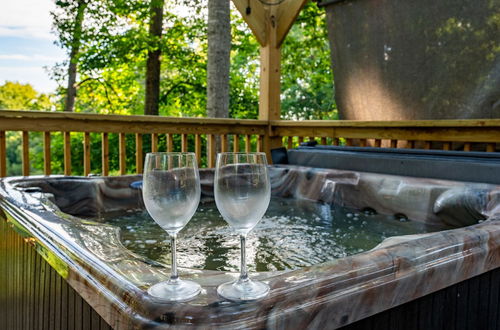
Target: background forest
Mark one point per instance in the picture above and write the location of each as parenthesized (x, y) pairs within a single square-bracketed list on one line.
[(109, 42)]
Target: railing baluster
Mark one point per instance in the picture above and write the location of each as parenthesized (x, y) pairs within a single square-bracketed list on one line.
[(301, 139), (378, 143), (138, 153), (67, 153), (105, 154), (490, 147), (260, 143), (236, 143), (446, 145), (86, 153), (122, 156), (211, 150), (154, 142), (223, 143), (394, 143), (335, 141), (362, 142), (170, 143), (26, 154), (410, 144), (467, 146), (348, 142), (46, 153), (3, 155), (184, 142), (323, 140), (197, 148), (427, 145), (248, 146)]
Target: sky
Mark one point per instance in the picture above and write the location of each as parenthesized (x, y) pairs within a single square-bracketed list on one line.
[(26, 43)]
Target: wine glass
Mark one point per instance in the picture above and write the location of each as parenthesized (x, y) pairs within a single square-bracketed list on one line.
[(171, 192), (242, 194)]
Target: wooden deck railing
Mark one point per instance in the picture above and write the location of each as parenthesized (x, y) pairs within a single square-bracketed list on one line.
[(461, 134), (199, 135)]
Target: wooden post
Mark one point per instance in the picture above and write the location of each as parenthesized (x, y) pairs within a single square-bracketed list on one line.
[(236, 143), (270, 84), (223, 143), (3, 155), (122, 154), (197, 148), (138, 153), (270, 23), (248, 145), (46, 153), (67, 153), (184, 142), (26, 154), (154, 142), (105, 154), (86, 153), (170, 142), (211, 150)]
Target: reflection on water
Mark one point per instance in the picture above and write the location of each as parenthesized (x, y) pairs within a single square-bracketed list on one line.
[(291, 235)]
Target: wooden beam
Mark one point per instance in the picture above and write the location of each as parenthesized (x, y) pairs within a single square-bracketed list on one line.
[(253, 13)]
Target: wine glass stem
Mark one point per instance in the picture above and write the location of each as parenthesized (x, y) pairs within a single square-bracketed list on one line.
[(173, 240), (244, 274)]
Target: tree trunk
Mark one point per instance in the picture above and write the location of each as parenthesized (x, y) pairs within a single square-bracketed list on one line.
[(73, 57), (219, 47), (153, 65)]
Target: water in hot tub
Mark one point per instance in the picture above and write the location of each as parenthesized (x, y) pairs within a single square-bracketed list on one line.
[(292, 234)]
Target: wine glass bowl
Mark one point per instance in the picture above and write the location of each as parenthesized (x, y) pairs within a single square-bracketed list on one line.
[(171, 193), (242, 194)]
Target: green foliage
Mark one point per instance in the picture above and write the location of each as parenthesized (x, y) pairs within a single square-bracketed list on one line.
[(114, 43), (307, 80), (16, 96)]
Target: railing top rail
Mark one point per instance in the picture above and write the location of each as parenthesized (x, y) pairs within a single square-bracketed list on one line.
[(383, 124), (124, 118), (6, 115), (84, 122)]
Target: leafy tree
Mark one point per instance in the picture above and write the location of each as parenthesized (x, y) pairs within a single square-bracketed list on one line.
[(307, 79), (16, 96), (68, 24), (117, 40), (153, 64), (218, 58)]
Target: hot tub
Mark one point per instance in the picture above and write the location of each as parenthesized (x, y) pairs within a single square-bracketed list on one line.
[(87, 278)]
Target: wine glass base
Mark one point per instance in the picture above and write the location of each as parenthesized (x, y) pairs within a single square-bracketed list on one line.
[(246, 290), (175, 290)]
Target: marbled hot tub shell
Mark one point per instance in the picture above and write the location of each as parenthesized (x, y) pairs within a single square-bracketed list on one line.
[(113, 280)]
